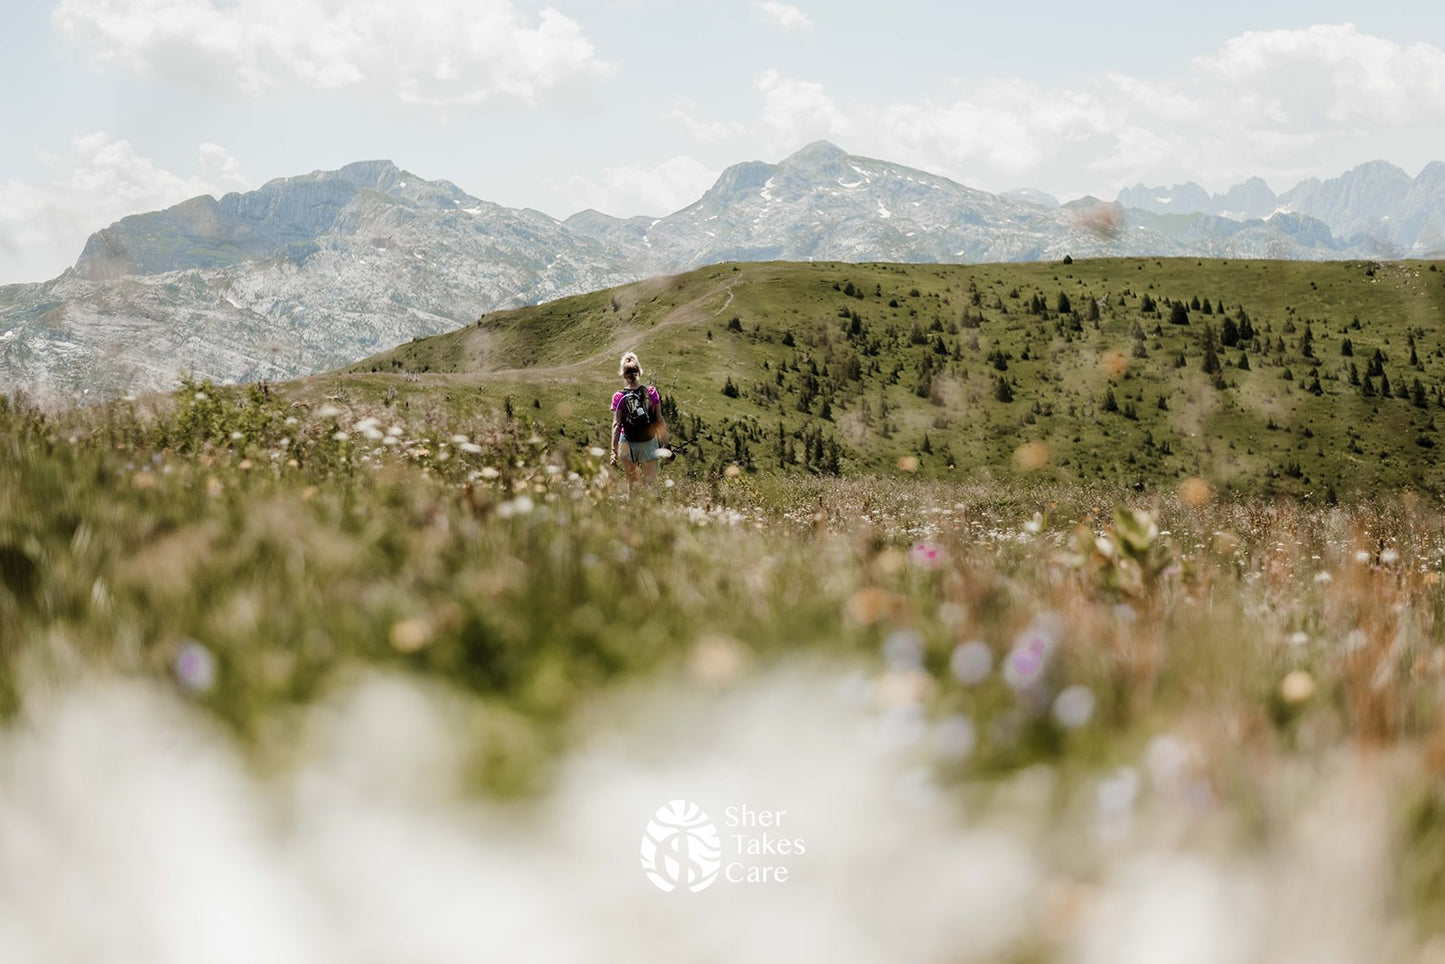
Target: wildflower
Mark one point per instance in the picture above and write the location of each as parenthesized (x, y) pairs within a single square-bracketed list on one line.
[(1074, 707), (341, 436), (1299, 639), (195, 667), (1034, 525), (663, 452), (1030, 656), (236, 436), (1195, 492), (732, 471), (1114, 803), (1297, 687), (1031, 456), (329, 411), (1362, 556), (488, 472), (521, 505), (411, 635), (1389, 557), (954, 737), (718, 660), (1323, 577), (927, 555), (596, 452), (908, 463), (971, 662), (903, 650)]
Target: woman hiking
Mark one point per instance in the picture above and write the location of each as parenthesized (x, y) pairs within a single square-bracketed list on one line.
[(637, 426)]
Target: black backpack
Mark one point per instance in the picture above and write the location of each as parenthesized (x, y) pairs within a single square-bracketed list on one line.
[(636, 414)]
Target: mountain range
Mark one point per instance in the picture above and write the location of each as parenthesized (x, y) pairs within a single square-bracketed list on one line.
[(313, 272)]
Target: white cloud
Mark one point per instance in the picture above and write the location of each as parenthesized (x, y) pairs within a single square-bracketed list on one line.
[(439, 52), (783, 15), (43, 227), (1284, 104), (703, 131), (796, 112), (633, 189)]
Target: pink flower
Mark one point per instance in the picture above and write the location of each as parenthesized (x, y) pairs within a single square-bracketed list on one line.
[(927, 555)]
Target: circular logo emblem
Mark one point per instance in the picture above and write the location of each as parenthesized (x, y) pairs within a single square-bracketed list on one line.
[(681, 848)]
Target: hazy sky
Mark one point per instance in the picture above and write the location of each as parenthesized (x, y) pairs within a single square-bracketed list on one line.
[(634, 106)]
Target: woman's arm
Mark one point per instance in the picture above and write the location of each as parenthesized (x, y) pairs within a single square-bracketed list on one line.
[(616, 433)]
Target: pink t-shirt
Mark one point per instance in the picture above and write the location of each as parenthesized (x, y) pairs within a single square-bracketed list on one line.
[(653, 398)]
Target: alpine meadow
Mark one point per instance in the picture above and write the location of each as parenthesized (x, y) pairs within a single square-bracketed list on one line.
[(493, 482), (1075, 564)]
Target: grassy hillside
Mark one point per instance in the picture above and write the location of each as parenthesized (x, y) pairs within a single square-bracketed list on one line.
[(1126, 694), (1105, 379)]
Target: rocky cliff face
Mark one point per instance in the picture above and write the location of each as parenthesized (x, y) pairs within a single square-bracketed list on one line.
[(312, 272)]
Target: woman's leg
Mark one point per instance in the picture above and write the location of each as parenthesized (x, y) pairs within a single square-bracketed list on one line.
[(630, 467), (649, 471)]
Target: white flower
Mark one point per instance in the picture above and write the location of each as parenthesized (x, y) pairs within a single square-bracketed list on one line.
[(971, 662), (489, 473), (903, 650), (195, 667), (954, 737), (1074, 707), (473, 448), (596, 452), (329, 411), (1389, 557), (460, 440)]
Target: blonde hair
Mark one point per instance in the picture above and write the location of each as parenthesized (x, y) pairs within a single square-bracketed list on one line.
[(630, 365)]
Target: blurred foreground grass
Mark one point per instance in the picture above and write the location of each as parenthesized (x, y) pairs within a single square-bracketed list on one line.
[(247, 550)]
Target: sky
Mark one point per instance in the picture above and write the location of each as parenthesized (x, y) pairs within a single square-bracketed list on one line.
[(114, 107)]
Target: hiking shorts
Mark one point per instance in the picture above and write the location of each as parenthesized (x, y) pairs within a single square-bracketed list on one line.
[(637, 451)]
